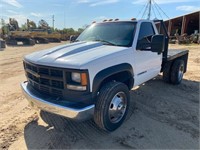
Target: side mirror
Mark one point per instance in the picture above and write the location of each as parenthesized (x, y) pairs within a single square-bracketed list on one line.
[(144, 44), (157, 43)]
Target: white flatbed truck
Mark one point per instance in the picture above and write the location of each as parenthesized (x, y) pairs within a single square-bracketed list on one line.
[(92, 77)]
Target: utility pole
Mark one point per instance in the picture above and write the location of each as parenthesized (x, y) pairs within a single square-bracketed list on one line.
[(53, 21), (149, 14), (64, 14)]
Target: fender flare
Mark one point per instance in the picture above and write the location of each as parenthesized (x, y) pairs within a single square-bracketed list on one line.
[(103, 74)]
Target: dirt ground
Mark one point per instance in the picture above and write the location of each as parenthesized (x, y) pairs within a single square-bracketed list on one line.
[(162, 116)]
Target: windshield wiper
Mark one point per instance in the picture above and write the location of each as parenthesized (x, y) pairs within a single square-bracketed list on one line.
[(106, 42)]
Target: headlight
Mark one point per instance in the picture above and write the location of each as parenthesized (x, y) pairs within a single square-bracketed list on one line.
[(77, 81), (76, 77)]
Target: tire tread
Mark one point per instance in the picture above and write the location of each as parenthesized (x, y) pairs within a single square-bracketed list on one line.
[(166, 73)]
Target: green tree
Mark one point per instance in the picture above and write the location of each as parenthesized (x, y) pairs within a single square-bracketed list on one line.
[(71, 31), (80, 30), (3, 28)]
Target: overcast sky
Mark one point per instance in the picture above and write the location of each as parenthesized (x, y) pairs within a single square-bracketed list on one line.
[(77, 13)]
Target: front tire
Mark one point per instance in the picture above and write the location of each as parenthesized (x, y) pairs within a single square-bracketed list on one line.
[(112, 106)]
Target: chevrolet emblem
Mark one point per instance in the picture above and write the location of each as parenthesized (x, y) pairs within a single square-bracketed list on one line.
[(33, 73), (36, 75)]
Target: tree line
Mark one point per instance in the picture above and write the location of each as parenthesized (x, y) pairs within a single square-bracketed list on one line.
[(27, 26)]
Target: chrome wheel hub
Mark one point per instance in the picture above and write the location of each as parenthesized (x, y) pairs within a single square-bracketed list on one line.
[(117, 107), (180, 73)]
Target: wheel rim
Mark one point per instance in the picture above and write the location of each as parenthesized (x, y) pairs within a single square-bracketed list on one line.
[(117, 107), (180, 72)]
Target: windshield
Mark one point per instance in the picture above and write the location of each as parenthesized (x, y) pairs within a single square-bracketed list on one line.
[(112, 33)]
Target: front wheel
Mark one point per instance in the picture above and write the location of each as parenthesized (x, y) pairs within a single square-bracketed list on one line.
[(112, 106)]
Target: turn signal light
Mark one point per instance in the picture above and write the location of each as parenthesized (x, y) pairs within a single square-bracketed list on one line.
[(84, 79)]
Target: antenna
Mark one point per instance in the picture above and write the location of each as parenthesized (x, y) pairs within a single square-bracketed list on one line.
[(150, 6), (53, 21), (149, 13)]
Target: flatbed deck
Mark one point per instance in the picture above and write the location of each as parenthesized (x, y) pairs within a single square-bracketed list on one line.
[(175, 53)]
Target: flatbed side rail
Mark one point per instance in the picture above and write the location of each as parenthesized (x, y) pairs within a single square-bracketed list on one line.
[(173, 54)]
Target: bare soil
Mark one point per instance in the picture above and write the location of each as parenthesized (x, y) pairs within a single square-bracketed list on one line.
[(162, 116)]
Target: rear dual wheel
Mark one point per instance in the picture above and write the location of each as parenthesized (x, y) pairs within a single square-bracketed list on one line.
[(177, 71), (174, 73)]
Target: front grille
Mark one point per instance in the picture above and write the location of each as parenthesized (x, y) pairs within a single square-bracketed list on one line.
[(43, 71), (47, 80)]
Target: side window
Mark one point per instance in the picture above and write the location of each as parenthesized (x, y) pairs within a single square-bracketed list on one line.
[(146, 30), (145, 34)]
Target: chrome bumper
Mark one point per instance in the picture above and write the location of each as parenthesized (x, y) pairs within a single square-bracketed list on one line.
[(38, 102)]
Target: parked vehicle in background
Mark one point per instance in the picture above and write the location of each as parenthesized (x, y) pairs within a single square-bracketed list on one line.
[(15, 35), (73, 38)]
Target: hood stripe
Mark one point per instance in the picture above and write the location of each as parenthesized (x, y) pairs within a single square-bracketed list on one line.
[(81, 49), (66, 46)]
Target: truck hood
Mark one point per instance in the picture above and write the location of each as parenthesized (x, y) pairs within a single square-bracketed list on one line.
[(73, 55)]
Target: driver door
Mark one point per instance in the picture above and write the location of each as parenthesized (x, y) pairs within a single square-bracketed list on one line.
[(147, 63)]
